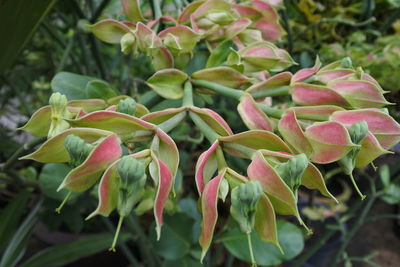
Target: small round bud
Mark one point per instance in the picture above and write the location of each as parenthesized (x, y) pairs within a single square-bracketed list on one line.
[(127, 43), (78, 149), (127, 106)]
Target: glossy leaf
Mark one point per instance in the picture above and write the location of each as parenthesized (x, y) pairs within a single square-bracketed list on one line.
[(206, 166), (168, 83), (85, 175), (252, 115), (330, 141), (209, 201), (109, 30), (53, 149), (222, 75)]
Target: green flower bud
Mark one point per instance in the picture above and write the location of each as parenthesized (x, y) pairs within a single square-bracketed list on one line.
[(358, 131), (220, 17), (127, 43), (346, 63), (171, 42), (127, 106), (58, 104), (292, 170), (244, 199), (78, 149), (132, 179)]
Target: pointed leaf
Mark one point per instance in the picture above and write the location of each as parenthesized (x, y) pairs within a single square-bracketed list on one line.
[(265, 222), (110, 30), (282, 198), (85, 175), (214, 120), (116, 122), (252, 115), (161, 116), (330, 141), (164, 187), (222, 75), (209, 201), (206, 166), (168, 83), (53, 150), (311, 178), (185, 36), (370, 150), (304, 74), (380, 124), (291, 131), (167, 151), (254, 140), (131, 10), (311, 94), (219, 54)]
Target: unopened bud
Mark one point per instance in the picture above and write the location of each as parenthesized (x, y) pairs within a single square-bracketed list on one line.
[(220, 17), (358, 131), (127, 43), (78, 149), (346, 63), (292, 170), (171, 42), (244, 199), (132, 179), (127, 106), (58, 103)]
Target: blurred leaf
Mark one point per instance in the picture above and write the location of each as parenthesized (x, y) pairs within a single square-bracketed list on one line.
[(10, 216), (176, 236), (99, 89), (16, 248), (18, 20), (384, 174), (62, 254), (70, 84), (290, 238), (219, 54), (391, 194), (50, 179), (183, 262)]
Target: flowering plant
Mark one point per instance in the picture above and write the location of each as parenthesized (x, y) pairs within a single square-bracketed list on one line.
[(334, 114)]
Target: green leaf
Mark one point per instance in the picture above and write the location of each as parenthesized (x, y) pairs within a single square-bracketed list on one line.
[(16, 248), (183, 262), (62, 254), (168, 83), (19, 20), (70, 84), (176, 236), (50, 179), (266, 254), (219, 54), (10, 216), (99, 89)]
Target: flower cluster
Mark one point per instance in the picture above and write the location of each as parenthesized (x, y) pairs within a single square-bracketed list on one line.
[(338, 118)]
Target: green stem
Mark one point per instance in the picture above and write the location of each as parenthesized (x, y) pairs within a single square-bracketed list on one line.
[(135, 136), (253, 261), (58, 210), (171, 123), (283, 90), (20, 151), (208, 132), (156, 8), (187, 95), (125, 249), (356, 187), (272, 112), (221, 159), (223, 90), (121, 219)]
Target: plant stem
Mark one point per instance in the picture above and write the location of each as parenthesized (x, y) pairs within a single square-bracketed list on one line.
[(187, 95), (253, 261), (121, 219), (130, 257), (208, 132), (20, 151), (145, 245), (356, 187), (283, 90), (58, 210), (220, 159), (171, 123), (223, 90)]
